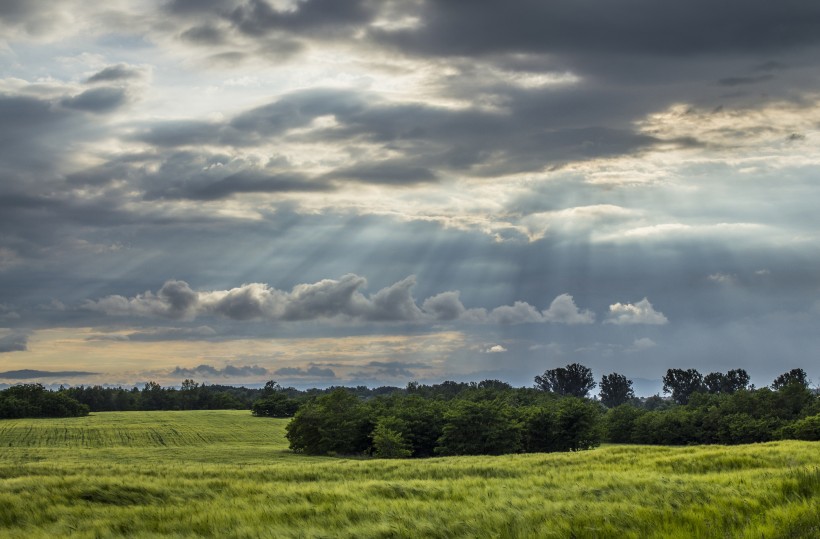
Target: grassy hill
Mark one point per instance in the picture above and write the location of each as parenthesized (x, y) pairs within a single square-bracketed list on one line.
[(228, 474)]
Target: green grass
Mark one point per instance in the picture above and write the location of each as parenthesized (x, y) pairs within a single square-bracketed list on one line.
[(228, 474)]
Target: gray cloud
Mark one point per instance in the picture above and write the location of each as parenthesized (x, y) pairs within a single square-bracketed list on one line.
[(320, 18), (313, 371), (740, 81), (205, 34), (227, 371), (30, 374), (117, 72), (396, 172), (444, 306), (541, 90), (641, 312), (97, 100), (15, 342), (331, 299), (566, 26)]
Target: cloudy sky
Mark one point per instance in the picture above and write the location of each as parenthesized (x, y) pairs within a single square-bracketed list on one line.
[(372, 192)]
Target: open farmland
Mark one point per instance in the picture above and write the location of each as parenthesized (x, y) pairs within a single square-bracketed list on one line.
[(228, 474)]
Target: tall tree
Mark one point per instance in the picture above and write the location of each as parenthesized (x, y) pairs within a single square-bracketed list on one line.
[(682, 383), (714, 382), (736, 380), (793, 377), (732, 381), (616, 389), (573, 380)]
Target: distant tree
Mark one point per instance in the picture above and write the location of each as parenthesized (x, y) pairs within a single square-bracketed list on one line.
[(574, 380), (275, 405), (33, 400), (714, 382), (736, 380), (616, 389), (655, 402), (495, 385), (793, 377), (732, 381), (682, 383), (271, 386)]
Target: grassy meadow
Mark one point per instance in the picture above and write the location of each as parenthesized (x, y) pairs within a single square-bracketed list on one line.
[(228, 474)]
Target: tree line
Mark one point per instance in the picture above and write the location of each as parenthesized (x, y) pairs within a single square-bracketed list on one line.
[(487, 417), (492, 417), (34, 400)]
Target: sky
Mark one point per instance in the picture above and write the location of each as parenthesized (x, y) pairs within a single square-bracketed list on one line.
[(346, 192)]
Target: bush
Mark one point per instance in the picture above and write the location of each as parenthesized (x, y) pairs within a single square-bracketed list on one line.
[(388, 441)]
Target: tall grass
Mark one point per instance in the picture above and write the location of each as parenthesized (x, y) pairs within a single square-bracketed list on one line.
[(227, 474)]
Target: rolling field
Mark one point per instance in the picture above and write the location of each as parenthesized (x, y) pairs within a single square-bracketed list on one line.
[(228, 474)]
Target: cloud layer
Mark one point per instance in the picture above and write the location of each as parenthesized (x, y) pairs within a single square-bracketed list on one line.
[(535, 167), (331, 299)]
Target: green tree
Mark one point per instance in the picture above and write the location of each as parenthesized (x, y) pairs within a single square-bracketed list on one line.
[(682, 383), (731, 382), (388, 440), (275, 405), (539, 432), (573, 380), (334, 423), (793, 377), (579, 424), (479, 428), (619, 423), (616, 389)]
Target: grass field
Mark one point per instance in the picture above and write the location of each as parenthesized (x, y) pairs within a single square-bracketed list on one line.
[(228, 474)]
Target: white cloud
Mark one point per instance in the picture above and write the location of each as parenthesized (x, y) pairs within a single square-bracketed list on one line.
[(519, 312), (329, 299), (495, 349), (722, 278), (639, 345), (641, 312), (563, 310)]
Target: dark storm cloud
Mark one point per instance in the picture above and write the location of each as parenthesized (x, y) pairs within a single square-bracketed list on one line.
[(533, 133), (325, 17), (634, 26), (205, 34), (392, 172), (193, 7), (97, 100), (246, 182), (740, 81), (15, 342), (117, 72), (31, 131)]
